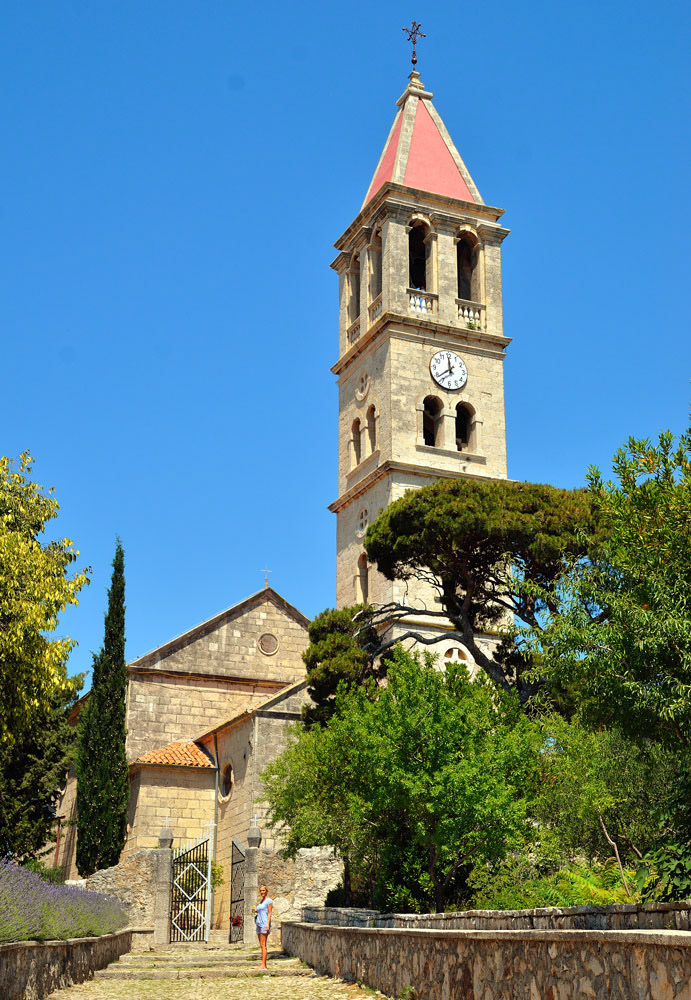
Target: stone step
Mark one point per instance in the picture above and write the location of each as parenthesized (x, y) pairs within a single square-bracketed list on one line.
[(150, 962), (180, 954), (217, 972)]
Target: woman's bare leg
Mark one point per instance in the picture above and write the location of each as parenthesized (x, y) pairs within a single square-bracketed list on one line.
[(262, 945)]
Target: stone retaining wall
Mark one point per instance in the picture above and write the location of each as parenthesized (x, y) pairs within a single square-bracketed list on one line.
[(30, 970), (291, 882), (615, 916), (501, 964), (142, 883)]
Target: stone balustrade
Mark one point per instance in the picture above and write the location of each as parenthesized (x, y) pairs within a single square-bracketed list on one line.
[(422, 302), (471, 314), (375, 309), (353, 332)]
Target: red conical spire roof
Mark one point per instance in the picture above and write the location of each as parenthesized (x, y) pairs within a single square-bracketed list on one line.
[(419, 152)]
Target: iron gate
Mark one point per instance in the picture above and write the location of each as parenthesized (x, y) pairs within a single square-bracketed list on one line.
[(237, 894), (190, 896)]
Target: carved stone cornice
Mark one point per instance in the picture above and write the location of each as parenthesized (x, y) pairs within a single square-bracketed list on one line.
[(492, 235), (390, 467), (395, 198), (414, 328), (341, 263)]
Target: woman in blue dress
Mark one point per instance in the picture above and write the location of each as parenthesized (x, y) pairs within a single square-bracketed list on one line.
[(263, 911)]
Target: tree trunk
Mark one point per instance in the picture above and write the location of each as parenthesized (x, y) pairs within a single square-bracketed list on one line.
[(439, 894), (347, 891)]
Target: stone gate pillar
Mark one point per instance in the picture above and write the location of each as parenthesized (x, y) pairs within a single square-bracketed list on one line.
[(163, 880), (254, 839)]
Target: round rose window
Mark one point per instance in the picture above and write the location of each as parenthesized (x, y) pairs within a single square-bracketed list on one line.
[(268, 644)]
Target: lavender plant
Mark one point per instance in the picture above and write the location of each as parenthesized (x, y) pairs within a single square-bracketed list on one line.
[(32, 909)]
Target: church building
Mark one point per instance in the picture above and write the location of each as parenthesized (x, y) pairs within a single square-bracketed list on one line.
[(420, 378)]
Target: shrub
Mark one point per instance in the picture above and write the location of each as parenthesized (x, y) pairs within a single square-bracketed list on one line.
[(34, 909), (518, 885), (665, 875), (56, 875)]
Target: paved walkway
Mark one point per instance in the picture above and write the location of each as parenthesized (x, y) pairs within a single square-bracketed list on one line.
[(193, 972)]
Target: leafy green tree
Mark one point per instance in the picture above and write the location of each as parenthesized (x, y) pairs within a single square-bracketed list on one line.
[(416, 781), (101, 764), (31, 773), (35, 587), (602, 793), (619, 635), (335, 655), (494, 552)]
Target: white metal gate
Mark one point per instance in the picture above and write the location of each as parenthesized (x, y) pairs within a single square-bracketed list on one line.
[(190, 897)]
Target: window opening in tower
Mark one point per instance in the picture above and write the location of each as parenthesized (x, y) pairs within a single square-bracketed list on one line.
[(466, 256), (462, 427), (431, 419), (417, 256)]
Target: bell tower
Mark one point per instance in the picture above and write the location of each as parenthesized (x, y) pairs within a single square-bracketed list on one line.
[(421, 340)]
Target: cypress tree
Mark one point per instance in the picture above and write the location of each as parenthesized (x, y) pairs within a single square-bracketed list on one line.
[(101, 764)]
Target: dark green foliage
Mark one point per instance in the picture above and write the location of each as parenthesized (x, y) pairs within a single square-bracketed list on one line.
[(620, 634), (495, 550), (414, 783), (31, 773), (519, 884), (56, 876), (103, 780), (603, 784), (336, 656), (665, 875)]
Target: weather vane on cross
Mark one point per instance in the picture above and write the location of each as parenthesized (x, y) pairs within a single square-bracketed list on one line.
[(413, 33)]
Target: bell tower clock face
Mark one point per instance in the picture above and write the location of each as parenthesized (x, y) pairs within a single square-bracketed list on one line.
[(448, 370)]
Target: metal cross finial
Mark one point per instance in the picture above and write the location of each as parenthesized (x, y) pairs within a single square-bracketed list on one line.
[(413, 33), (266, 572)]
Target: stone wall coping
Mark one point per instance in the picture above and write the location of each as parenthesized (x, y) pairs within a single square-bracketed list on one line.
[(548, 911), (542, 911), (7, 946), (670, 938)]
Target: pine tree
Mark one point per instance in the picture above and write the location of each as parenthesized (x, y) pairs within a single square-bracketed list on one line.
[(101, 764)]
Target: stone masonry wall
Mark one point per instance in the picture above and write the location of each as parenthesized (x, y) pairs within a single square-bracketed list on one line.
[(270, 739), (66, 807), (165, 704), (501, 964), (181, 797), (294, 883), (248, 746), (30, 970), (163, 709), (234, 811), (134, 883)]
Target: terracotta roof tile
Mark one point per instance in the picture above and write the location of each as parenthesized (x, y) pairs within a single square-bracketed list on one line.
[(183, 753)]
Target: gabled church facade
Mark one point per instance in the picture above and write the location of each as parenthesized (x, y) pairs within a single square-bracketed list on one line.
[(421, 397), (206, 712)]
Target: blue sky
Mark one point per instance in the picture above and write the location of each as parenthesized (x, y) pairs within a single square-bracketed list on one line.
[(173, 178)]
